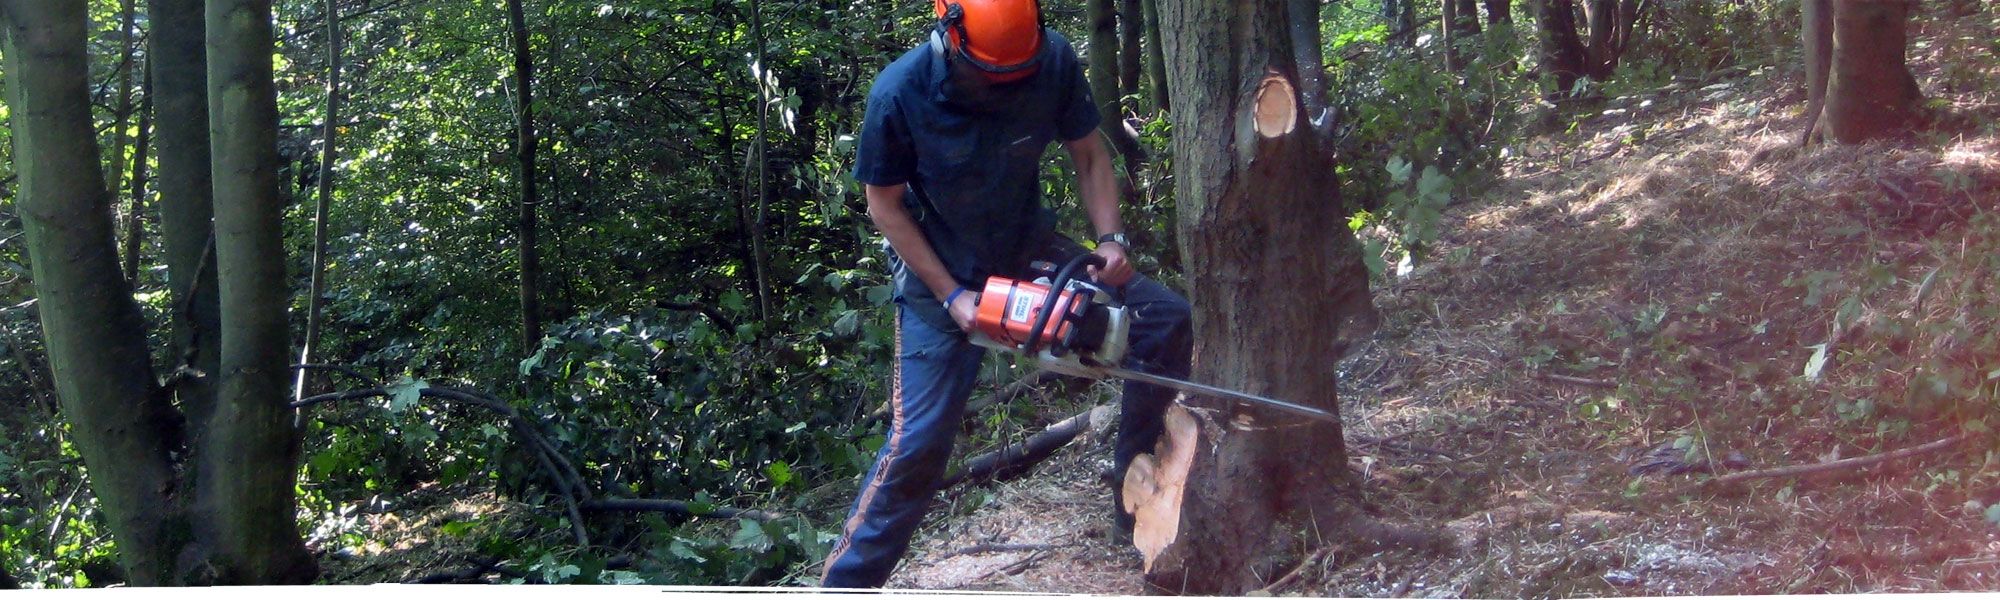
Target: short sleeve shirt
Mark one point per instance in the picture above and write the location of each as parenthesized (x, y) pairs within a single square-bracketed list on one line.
[(973, 171)]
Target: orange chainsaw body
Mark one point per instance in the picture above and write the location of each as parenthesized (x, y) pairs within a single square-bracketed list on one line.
[(1007, 309)]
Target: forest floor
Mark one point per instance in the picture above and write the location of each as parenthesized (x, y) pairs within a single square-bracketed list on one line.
[(1665, 292), (1633, 307)]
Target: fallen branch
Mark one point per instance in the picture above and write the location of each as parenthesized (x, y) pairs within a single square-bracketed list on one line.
[(1842, 464), (676, 507), (1014, 460), (1596, 383)]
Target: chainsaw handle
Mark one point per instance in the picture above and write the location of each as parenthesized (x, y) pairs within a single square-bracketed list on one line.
[(1056, 286)]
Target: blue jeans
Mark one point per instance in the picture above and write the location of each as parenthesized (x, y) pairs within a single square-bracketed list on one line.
[(933, 377)]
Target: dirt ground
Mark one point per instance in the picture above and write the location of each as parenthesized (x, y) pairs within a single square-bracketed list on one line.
[(1670, 292), (1629, 311)]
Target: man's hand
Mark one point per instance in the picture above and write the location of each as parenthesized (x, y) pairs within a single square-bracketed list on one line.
[(1116, 271), (964, 308)]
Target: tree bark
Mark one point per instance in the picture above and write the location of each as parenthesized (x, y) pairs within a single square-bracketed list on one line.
[(92, 329), (1870, 93), (524, 153), (1562, 53), (1257, 207), (316, 290), (179, 61), (1131, 29), (1816, 33), (248, 507), (1156, 60), (1499, 11)]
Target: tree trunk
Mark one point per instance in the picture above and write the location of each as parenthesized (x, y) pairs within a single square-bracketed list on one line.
[(179, 61), (1131, 30), (135, 222), (763, 165), (95, 339), (1816, 31), (316, 291), (127, 51), (1499, 11), (1257, 206), (1156, 60), (248, 504), (524, 153), (1562, 53), (1870, 93), (1104, 89)]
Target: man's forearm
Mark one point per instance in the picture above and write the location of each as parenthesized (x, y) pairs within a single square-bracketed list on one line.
[(885, 209), (1097, 184)]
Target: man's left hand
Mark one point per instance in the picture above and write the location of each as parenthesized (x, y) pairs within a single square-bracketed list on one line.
[(1116, 271)]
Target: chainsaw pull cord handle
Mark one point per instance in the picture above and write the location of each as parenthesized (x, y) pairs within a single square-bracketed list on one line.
[(1055, 293)]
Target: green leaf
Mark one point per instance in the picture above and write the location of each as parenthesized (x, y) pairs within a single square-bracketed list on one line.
[(456, 528), (750, 536), (679, 549), (780, 473), (1433, 188), (880, 294), (1993, 514), (732, 300), (1817, 363), (847, 323), (404, 393), (1399, 170)]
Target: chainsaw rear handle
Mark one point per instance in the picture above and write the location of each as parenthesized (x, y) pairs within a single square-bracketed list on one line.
[(1056, 287)]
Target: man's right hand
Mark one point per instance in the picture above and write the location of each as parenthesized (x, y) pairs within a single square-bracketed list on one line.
[(964, 308)]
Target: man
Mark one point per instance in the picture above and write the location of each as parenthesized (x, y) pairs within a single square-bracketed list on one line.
[(950, 153)]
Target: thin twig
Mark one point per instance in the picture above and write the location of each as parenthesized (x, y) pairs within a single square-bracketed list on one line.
[(1847, 463), (991, 548), (1296, 571), (1596, 383)]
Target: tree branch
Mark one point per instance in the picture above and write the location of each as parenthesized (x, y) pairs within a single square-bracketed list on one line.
[(1014, 460), (1847, 463), (721, 321)]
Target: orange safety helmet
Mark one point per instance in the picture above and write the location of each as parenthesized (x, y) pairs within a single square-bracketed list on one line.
[(1003, 38)]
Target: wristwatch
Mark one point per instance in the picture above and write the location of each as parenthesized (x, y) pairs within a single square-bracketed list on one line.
[(1116, 238)]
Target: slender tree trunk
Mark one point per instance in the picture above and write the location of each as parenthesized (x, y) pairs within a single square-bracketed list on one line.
[(179, 60), (1131, 29), (1816, 33), (524, 152), (1104, 61), (128, 46), (1499, 12), (1454, 35), (1254, 177), (316, 293), (95, 339), (1870, 93), (135, 222), (1156, 60), (249, 448), (757, 250)]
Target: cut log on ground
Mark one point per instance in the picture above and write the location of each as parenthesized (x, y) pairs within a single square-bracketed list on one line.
[(1014, 460)]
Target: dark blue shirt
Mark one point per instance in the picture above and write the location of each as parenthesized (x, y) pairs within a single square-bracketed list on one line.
[(972, 161)]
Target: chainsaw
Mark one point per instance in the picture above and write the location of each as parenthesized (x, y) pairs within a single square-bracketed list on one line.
[(1072, 326)]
